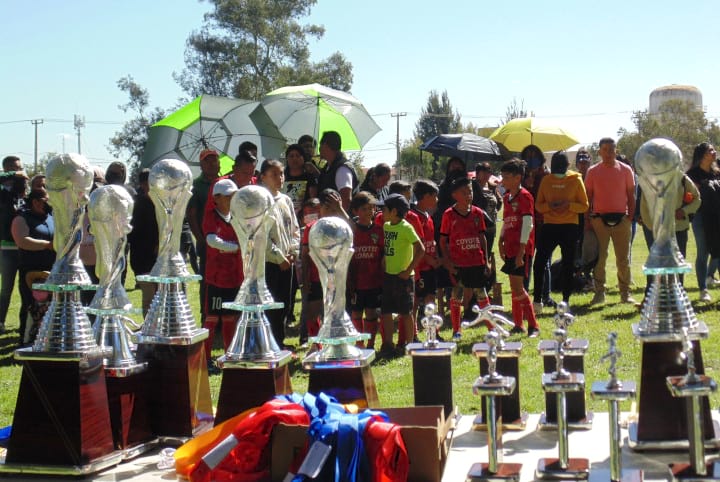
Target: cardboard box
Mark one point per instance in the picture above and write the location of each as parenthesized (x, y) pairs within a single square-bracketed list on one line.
[(424, 430)]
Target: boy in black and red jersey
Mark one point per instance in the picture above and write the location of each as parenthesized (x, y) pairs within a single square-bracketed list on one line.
[(516, 244), (463, 247), (426, 194), (366, 268)]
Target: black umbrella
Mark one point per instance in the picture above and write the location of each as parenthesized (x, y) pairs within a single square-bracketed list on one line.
[(468, 147)]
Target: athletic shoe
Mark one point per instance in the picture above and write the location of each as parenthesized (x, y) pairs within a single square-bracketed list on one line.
[(387, 350), (549, 302), (533, 332), (705, 296), (626, 298), (457, 335), (598, 299), (517, 329)]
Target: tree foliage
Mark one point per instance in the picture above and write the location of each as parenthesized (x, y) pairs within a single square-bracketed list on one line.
[(130, 141), (677, 120), (247, 48), (413, 163), (437, 117), (514, 111)]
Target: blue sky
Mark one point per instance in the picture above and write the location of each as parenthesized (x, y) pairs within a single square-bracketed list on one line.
[(587, 65)]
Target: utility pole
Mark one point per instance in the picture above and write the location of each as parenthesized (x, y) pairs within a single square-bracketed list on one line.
[(397, 116), (36, 122), (79, 123)]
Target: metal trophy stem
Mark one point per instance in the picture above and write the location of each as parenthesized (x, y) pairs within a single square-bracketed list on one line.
[(667, 311), (491, 386)]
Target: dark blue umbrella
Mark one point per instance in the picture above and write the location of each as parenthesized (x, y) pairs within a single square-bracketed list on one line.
[(468, 147)]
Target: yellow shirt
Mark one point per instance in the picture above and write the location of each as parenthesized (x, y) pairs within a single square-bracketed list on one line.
[(570, 188)]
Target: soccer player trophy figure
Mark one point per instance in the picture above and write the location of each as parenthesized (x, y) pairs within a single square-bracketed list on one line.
[(666, 310)]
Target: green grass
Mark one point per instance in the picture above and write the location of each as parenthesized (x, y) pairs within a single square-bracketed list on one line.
[(394, 377)]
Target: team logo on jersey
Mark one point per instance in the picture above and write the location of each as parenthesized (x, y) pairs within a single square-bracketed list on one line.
[(374, 237)]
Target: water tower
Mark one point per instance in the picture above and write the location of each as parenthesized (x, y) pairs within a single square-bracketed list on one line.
[(669, 92)]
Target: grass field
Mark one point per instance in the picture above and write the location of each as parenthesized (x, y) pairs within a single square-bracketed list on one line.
[(394, 377)]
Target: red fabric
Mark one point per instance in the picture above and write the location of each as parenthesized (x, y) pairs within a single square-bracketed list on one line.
[(386, 452), (249, 460), (517, 311), (455, 314), (224, 270), (366, 264), (428, 238), (514, 208), (528, 311), (463, 232), (313, 274), (210, 203)]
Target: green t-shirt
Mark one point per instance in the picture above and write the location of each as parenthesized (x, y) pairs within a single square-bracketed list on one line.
[(399, 240)]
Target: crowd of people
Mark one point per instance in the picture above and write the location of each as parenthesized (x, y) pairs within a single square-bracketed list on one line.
[(414, 244)]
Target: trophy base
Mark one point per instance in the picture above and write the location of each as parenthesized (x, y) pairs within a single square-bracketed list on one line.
[(508, 407), (684, 471), (228, 361), (130, 413), (189, 339), (61, 422), (627, 475), (584, 423), (92, 467), (179, 393), (243, 388), (517, 425), (505, 472), (349, 381), (669, 445), (549, 469), (578, 418), (432, 374)]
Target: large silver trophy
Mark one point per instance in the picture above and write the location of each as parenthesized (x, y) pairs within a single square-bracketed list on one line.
[(252, 219), (666, 309), (109, 211), (330, 243), (169, 319)]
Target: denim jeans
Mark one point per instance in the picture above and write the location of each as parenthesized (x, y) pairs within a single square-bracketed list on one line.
[(702, 268)]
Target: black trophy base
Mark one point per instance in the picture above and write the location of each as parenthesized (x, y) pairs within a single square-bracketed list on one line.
[(180, 404), (626, 475), (244, 388), (508, 407), (662, 418), (432, 378), (684, 471), (351, 384), (61, 423), (130, 414), (505, 472), (577, 416), (549, 469)]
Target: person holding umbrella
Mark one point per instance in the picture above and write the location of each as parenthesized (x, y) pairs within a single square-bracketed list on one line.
[(338, 174)]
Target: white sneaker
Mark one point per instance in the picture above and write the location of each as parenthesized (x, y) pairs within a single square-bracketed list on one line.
[(705, 296), (537, 307), (711, 282)]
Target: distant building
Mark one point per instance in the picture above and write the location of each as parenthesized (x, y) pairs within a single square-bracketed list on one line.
[(669, 92)]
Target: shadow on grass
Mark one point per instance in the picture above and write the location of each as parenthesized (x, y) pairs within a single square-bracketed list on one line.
[(8, 344)]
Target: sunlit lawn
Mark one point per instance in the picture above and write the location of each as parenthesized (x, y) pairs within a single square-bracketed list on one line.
[(394, 378)]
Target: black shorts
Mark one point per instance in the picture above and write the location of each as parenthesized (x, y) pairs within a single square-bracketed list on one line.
[(362, 299), (215, 297), (510, 269), (442, 278), (315, 293), (426, 285), (398, 295), (471, 276)]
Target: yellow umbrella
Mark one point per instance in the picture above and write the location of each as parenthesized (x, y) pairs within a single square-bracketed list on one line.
[(519, 133)]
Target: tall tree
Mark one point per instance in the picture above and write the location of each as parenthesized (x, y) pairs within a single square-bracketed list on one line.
[(413, 163), (247, 48), (677, 120), (514, 111), (130, 141), (437, 117)]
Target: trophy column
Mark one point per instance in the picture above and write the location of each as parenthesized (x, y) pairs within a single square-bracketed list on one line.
[(340, 368), (578, 418), (170, 341), (61, 424), (491, 386), (432, 365), (666, 312), (254, 369), (560, 383), (614, 391)]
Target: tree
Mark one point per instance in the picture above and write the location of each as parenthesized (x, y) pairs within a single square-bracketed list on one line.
[(437, 117), (413, 164), (677, 120), (514, 111), (248, 48), (134, 134)]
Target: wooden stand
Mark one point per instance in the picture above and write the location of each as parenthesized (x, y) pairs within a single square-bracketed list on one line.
[(578, 418), (508, 407), (130, 413), (180, 405), (662, 418), (432, 374), (349, 381), (61, 424), (243, 388)]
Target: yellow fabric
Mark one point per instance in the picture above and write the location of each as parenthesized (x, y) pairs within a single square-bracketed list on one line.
[(569, 188)]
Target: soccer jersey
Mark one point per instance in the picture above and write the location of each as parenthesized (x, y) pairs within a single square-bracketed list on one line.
[(514, 208), (368, 243), (464, 233), (222, 269), (313, 274), (399, 240), (427, 236)]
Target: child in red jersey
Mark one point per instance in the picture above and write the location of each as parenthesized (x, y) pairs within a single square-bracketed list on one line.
[(426, 194), (366, 268), (463, 246), (516, 244), (224, 269)]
